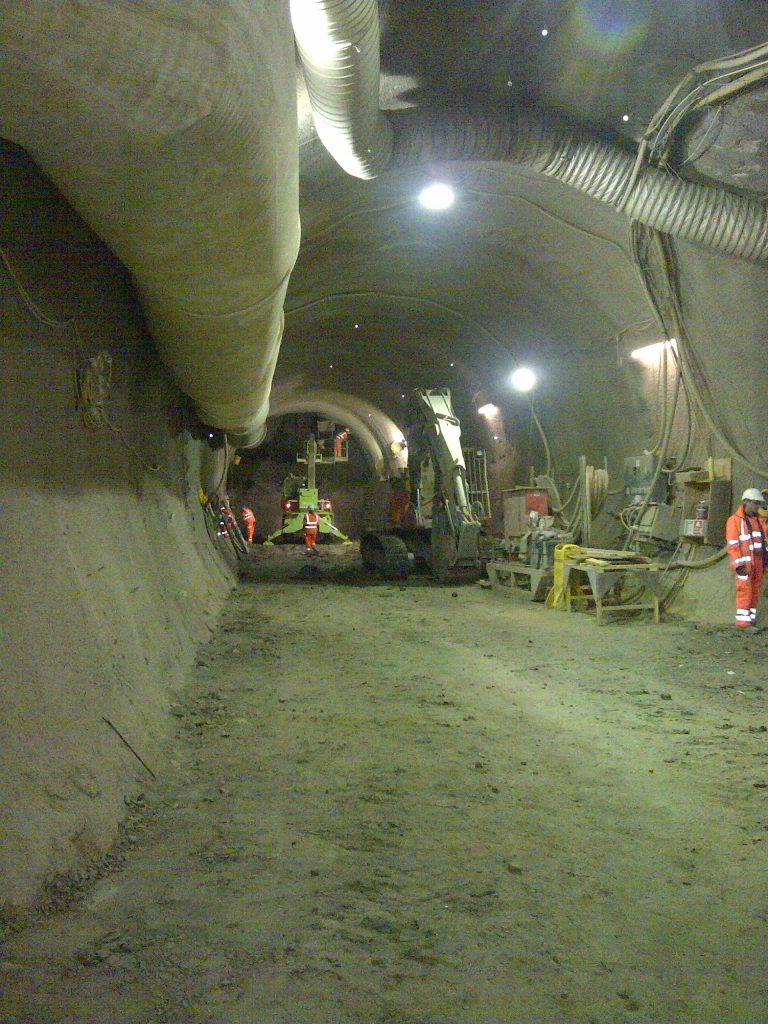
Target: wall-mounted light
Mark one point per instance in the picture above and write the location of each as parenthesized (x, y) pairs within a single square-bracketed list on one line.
[(437, 196), (523, 379), (649, 355)]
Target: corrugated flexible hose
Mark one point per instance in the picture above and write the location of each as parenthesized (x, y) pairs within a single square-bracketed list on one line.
[(338, 42), (711, 217)]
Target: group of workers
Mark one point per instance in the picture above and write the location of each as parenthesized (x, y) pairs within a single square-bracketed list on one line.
[(311, 525)]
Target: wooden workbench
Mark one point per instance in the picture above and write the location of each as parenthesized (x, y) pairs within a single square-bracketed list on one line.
[(604, 575), (509, 575)]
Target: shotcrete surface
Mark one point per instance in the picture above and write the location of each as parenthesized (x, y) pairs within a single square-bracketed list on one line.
[(399, 802)]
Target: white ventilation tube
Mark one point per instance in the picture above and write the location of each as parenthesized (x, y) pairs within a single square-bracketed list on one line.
[(338, 41), (712, 217), (171, 128), (344, 95)]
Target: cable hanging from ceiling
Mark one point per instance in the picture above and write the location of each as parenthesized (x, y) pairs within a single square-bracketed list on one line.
[(699, 88)]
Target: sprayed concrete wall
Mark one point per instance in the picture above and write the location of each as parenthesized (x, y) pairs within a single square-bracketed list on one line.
[(109, 580)]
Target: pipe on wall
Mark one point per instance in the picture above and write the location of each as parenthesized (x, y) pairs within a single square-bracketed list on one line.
[(170, 125), (344, 96)]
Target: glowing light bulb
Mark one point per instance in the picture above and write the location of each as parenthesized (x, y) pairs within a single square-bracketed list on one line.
[(523, 379), (437, 196), (648, 354)]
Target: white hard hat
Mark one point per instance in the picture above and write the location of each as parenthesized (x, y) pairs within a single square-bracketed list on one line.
[(753, 494), (311, 508)]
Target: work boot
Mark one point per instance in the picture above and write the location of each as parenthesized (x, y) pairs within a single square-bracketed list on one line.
[(752, 629)]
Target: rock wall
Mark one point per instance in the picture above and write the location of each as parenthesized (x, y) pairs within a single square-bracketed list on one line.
[(110, 581)]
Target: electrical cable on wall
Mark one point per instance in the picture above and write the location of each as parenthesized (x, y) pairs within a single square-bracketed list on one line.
[(672, 322), (748, 66), (92, 378)]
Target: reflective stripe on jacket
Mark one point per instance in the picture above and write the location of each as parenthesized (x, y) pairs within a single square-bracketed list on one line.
[(311, 521), (745, 537)]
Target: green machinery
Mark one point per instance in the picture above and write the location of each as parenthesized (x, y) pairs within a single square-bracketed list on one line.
[(300, 492)]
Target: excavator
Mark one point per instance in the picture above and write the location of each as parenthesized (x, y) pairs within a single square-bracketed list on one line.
[(435, 527)]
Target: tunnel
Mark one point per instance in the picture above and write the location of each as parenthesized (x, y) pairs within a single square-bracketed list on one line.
[(482, 287)]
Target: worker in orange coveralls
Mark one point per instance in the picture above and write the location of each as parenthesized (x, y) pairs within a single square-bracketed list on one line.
[(311, 525), (338, 440), (745, 533), (399, 501), (249, 522)]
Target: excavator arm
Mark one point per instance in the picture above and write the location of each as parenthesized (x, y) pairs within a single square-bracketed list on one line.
[(440, 530), (438, 483)]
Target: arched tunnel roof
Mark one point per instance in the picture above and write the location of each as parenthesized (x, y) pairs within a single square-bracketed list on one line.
[(197, 189), (521, 268), (371, 428)]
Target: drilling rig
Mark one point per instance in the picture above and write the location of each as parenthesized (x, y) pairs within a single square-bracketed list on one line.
[(300, 492)]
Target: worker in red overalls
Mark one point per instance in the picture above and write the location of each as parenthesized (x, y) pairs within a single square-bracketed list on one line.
[(399, 501), (745, 533), (226, 519), (311, 525), (339, 439), (249, 522)]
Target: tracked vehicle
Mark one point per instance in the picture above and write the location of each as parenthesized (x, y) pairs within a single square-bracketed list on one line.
[(433, 526)]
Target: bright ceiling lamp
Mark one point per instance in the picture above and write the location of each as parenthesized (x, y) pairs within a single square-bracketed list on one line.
[(488, 410), (648, 355), (523, 379), (437, 196)]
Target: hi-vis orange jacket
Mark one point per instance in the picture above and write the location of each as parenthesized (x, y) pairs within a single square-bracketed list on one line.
[(311, 520), (745, 536)]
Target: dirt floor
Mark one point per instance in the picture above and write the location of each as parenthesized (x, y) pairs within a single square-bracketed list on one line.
[(424, 805)]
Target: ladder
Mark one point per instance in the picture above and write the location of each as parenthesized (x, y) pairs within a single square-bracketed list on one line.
[(477, 479)]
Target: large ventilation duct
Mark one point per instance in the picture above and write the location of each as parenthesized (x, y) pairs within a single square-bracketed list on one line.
[(345, 107), (338, 41), (170, 125), (711, 217)]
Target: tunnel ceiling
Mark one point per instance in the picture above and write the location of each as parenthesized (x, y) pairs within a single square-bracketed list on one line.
[(520, 267)]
